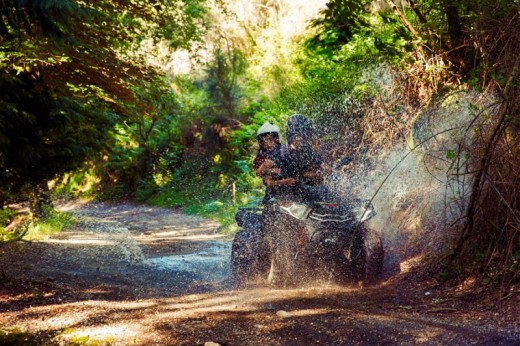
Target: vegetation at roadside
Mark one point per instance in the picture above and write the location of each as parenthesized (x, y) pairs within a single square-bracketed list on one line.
[(95, 101), (14, 336), (15, 226)]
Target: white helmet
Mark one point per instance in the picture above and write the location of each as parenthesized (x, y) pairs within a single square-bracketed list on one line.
[(268, 128)]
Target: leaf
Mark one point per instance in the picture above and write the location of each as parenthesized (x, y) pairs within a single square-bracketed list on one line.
[(18, 69), (451, 154)]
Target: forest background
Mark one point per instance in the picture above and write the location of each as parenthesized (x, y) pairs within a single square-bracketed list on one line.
[(158, 101)]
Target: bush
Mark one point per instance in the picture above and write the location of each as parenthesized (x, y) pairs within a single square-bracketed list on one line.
[(53, 223)]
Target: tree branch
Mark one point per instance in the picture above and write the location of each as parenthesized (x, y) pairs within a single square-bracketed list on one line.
[(403, 19), (484, 164)]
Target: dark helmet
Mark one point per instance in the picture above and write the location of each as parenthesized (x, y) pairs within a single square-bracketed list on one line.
[(298, 125)]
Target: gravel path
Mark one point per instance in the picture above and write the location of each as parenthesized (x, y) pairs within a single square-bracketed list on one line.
[(152, 252), (136, 275)]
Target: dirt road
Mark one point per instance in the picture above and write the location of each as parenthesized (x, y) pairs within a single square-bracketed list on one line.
[(137, 275)]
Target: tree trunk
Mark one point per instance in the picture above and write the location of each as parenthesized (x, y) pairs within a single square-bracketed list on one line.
[(454, 26), (456, 33)]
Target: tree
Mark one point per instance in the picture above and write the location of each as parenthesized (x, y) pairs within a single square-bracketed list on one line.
[(337, 24), (41, 136), (68, 69)]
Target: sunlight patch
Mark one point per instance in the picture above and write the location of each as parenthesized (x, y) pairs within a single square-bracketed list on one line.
[(467, 284), (103, 334), (81, 241), (310, 312), (426, 336), (409, 264), (63, 320), (177, 235)]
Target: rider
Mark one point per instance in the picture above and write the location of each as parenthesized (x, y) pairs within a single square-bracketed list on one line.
[(305, 164)]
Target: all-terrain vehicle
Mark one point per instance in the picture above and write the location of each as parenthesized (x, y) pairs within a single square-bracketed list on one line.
[(324, 239)]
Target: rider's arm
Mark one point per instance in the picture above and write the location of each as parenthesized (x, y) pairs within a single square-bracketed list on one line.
[(270, 182), (267, 168), (319, 173)]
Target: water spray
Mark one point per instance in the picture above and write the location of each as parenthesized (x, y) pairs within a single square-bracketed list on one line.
[(402, 159)]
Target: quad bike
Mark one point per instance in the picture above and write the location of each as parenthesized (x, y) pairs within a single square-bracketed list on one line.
[(325, 238)]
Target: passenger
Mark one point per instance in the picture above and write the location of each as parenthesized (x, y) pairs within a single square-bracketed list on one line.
[(269, 162)]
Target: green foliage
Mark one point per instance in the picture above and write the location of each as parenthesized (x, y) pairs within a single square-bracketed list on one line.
[(54, 222), (349, 34), (80, 183), (179, 23), (15, 234), (77, 339), (211, 173), (221, 83), (31, 228), (6, 216), (340, 77), (16, 337), (172, 134), (229, 180), (337, 24), (42, 135), (147, 141), (21, 18), (68, 77)]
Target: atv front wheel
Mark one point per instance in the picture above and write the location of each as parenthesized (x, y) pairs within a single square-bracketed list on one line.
[(249, 258)]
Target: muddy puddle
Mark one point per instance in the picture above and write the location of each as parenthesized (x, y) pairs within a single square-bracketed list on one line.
[(155, 251), (210, 262)]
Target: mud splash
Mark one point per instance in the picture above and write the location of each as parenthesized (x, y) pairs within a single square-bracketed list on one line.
[(211, 262)]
